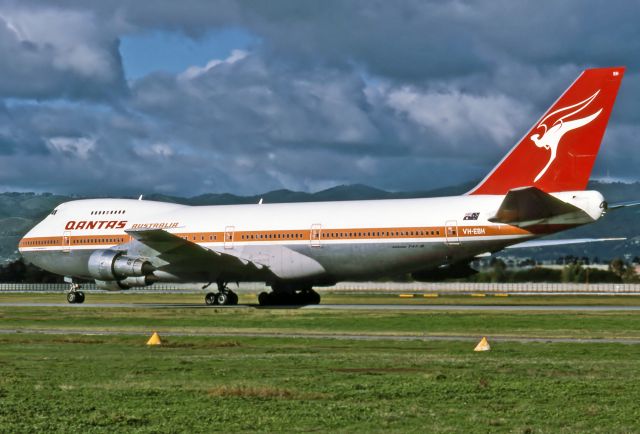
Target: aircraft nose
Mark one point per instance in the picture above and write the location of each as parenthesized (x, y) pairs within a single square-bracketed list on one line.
[(23, 242), (26, 242)]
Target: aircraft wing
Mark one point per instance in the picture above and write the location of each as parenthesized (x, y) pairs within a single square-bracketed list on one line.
[(176, 251), (548, 243)]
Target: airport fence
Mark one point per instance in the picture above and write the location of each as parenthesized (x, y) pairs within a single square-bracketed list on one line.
[(371, 287)]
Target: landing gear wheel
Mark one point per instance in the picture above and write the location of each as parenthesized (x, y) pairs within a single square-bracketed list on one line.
[(233, 298), (277, 299), (72, 297), (313, 297), (263, 299), (222, 298), (272, 299), (211, 299), (75, 295), (224, 295)]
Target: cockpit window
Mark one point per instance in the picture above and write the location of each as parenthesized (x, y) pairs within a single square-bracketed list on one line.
[(54, 212)]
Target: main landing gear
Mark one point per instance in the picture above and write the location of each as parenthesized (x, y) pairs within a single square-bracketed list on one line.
[(75, 296), (276, 298), (224, 296)]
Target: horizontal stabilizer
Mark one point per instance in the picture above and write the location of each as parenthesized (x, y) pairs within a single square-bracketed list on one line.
[(550, 243), (619, 205), (529, 205)]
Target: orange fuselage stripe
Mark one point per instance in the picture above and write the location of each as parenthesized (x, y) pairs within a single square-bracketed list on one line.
[(324, 234)]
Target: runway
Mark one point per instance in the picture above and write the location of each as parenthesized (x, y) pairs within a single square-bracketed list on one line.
[(349, 336), (406, 307)]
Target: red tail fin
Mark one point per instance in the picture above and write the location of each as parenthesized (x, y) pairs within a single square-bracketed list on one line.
[(557, 154)]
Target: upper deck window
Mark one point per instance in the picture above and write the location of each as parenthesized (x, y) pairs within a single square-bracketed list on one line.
[(119, 211)]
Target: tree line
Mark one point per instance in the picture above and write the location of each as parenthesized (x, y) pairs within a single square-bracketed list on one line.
[(618, 271), (19, 271)]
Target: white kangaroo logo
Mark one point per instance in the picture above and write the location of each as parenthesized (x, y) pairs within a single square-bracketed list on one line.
[(551, 136)]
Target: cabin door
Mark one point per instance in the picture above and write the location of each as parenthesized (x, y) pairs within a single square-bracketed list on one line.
[(228, 237), (316, 235), (66, 241), (451, 236)]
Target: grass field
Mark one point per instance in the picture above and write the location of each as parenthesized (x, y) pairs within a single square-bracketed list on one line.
[(84, 383), (332, 298)]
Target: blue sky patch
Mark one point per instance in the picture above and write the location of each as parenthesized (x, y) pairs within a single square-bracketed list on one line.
[(173, 52)]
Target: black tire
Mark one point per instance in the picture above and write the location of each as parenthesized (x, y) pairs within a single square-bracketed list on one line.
[(233, 298), (210, 299), (72, 297), (79, 297), (281, 299), (264, 299), (222, 298), (313, 297)]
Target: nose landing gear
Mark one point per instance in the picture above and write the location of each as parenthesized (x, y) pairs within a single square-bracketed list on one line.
[(75, 296)]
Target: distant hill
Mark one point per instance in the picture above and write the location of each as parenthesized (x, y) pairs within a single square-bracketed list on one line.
[(20, 211)]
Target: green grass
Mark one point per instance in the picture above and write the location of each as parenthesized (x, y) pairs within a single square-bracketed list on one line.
[(90, 384), (609, 324), (85, 383), (334, 298)]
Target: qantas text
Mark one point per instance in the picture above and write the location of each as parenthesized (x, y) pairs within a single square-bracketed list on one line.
[(92, 224)]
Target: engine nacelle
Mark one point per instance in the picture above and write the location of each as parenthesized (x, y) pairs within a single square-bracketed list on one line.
[(111, 285), (114, 265), (121, 285), (131, 282)]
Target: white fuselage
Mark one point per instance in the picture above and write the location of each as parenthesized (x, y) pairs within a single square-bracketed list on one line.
[(320, 243)]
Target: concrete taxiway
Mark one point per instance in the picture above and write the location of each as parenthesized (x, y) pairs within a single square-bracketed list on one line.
[(411, 307)]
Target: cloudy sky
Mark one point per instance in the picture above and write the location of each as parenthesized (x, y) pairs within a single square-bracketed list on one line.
[(194, 96)]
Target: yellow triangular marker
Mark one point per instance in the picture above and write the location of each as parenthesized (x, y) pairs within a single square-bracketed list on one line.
[(483, 345), (154, 339)]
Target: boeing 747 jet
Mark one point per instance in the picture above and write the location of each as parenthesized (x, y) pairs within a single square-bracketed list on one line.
[(536, 190)]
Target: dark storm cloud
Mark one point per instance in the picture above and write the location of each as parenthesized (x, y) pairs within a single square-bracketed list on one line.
[(248, 103), (401, 95), (53, 53), (407, 39)]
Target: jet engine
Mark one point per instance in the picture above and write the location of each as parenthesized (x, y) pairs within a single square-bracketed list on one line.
[(110, 265)]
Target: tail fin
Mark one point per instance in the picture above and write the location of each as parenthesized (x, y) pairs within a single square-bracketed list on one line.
[(557, 154)]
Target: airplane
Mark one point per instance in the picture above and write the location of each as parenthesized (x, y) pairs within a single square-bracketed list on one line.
[(536, 190)]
